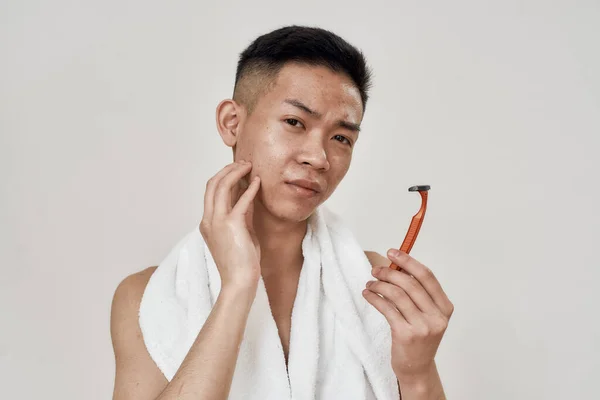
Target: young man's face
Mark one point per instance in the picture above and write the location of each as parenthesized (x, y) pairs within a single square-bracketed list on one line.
[(285, 141)]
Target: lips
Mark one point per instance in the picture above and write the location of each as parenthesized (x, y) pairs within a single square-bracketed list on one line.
[(307, 184)]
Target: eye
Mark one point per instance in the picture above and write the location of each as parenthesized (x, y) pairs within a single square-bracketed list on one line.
[(293, 122), (343, 138)]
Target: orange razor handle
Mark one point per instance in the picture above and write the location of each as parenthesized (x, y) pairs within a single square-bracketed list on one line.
[(415, 224)]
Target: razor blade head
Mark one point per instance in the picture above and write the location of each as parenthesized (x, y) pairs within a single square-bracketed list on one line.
[(420, 188)]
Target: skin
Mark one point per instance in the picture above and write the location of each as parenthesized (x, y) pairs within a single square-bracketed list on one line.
[(305, 126), (283, 142)]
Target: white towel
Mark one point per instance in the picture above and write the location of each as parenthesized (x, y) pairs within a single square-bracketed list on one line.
[(339, 344)]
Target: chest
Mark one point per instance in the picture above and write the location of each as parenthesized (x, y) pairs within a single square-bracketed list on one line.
[(281, 291), (282, 294)]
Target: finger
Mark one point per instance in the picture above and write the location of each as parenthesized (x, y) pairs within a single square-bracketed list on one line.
[(411, 286), (223, 192), (426, 278), (400, 299), (237, 189), (209, 194), (389, 311), (242, 206)]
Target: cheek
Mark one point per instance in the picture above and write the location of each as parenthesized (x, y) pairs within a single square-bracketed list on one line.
[(277, 148), (342, 169), (269, 155), (341, 161)]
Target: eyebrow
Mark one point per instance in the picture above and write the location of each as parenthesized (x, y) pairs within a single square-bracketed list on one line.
[(341, 123)]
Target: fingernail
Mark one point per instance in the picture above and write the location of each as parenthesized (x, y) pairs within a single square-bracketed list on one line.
[(393, 253)]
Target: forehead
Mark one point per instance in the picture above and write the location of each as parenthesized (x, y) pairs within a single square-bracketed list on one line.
[(319, 87)]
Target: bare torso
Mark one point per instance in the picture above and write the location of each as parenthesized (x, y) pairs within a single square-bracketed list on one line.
[(281, 292), (137, 374)]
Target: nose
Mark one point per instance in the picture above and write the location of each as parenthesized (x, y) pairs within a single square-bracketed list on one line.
[(314, 154)]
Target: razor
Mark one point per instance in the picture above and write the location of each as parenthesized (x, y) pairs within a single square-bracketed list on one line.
[(415, 224)]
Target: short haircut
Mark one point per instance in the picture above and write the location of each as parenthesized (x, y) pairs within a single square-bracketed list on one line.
[(262, 60)]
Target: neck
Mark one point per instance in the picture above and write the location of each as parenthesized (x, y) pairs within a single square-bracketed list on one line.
[(280, 242)]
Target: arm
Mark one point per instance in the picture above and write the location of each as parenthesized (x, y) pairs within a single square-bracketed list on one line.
[(425, 387), (227, 227), (136, 374), (208, 368)]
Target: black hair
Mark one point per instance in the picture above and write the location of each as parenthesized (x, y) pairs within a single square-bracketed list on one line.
[(267, 54)]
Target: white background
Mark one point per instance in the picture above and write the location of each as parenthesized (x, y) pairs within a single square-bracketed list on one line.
[(108, 138)]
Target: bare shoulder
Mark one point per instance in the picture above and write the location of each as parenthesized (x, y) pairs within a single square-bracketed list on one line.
[(136, 374), (377, 259), (135, 284), (128, 295)]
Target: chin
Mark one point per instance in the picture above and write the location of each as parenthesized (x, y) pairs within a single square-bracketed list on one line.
[(291, 210)]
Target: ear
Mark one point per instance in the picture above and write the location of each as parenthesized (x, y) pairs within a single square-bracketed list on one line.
[(229, 118)]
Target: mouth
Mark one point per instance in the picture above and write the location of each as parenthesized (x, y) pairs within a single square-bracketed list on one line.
[(312, 186), (301, 191)]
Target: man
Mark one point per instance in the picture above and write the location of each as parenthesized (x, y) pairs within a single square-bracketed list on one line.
[(299, 98)]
